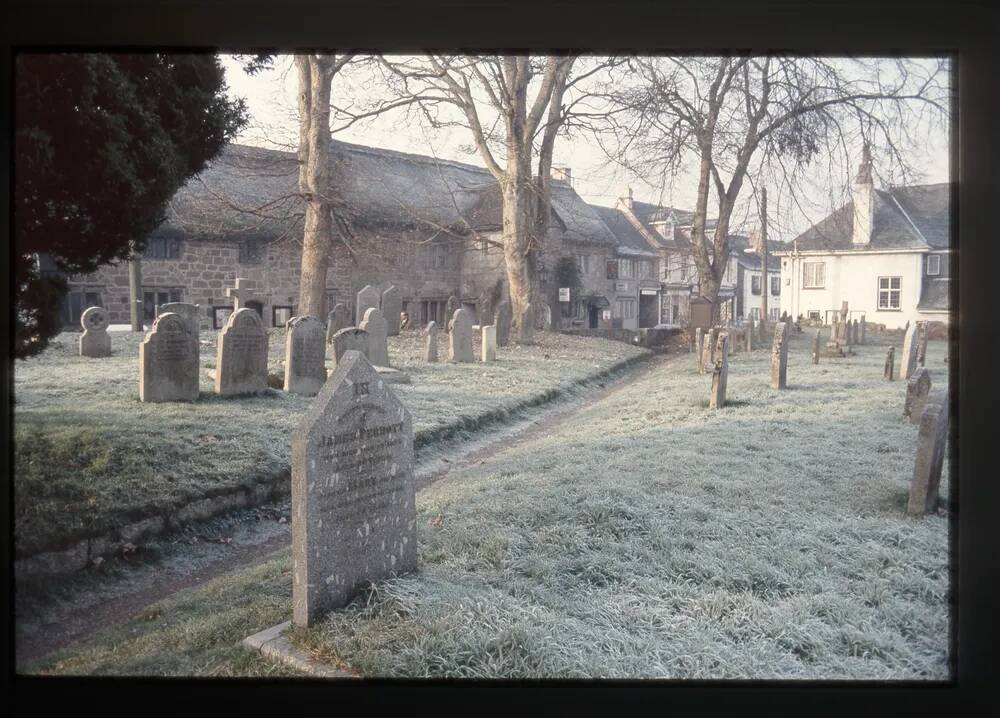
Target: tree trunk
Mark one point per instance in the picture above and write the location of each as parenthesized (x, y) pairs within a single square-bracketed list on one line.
[(314, 181), (520, 254), (135, 293)]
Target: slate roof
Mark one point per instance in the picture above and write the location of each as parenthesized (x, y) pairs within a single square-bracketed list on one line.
[(629, 239), (648, 213), (915, 217), (253, 192), (935, 294)]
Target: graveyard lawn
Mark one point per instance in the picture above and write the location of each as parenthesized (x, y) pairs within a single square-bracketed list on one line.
[(646, 536), (90, 457)]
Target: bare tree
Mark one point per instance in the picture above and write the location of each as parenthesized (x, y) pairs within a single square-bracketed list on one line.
[(510, 130), (743, 118)]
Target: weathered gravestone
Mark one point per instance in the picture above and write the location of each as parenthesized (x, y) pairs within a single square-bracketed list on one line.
[(779, 356), (489, 342), (353, 507), (922, 342), (855, 337), (392, 307), (699, 349), (241, 359), (890, 363), (918, 389), (502, 319), (908, 357), (816, 348), (305, 356), (863, 330), (720, 373), (710, 348), (95, 341), (378, 345), (931, 439), (368, 298), (749, 336), (339, 318), (431, 345), (168, 361), (349, 339), (543, 316), (526, 325), (190, 313), (460, 339), (450, 307), (240, 294)]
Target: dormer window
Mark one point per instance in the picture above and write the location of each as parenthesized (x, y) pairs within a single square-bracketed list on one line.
[(933, 265)]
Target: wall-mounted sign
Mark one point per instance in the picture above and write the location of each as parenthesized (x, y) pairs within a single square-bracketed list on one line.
[(648, 292), (621, 286), (563, 294), (606, 314)]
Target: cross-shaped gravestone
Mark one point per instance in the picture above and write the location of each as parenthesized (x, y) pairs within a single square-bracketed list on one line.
[(240, 294)]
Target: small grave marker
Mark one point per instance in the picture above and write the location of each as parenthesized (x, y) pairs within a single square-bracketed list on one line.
[(95, 342), (305, 356), (241, 358)]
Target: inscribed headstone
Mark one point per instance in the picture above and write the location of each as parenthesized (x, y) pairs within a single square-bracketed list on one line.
[(368, 298), (349, 339), (168, 361), (460, 339), (918, 389), (241, 358), (95, 340), (699, 349), (931, 439), (749, 336), (190, 313), (779, 356), (890, 363), (720, 373), (863, 329), (378, 347), (353, 505), (908, 357), (392, 308), (339, 318), (305, 356), (450, 307), (431, 346), (922, 343)]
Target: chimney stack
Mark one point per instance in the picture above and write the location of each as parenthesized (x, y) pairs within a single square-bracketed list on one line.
[(563, 174), (627, 199), (863, 195)]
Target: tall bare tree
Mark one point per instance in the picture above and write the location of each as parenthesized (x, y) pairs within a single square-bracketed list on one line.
[(740, 118), (511, 131)]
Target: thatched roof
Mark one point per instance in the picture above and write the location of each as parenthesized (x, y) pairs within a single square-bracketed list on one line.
[(253, 192)]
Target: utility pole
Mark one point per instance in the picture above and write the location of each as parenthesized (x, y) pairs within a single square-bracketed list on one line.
[(763, 254), (135, 293)]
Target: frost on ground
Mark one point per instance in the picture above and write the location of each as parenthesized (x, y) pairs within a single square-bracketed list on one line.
[(652, 537), (89, 455)]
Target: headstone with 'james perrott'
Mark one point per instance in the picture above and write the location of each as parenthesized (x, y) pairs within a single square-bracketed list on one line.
[(353, 497)]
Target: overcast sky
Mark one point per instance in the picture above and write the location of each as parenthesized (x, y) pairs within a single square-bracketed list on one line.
[(271, 98)]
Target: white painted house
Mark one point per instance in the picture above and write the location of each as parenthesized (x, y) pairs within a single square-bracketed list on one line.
[(887, 253)]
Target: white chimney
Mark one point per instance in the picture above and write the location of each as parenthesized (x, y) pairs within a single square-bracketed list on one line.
[(863, 194), (627, 199), (564, 174)]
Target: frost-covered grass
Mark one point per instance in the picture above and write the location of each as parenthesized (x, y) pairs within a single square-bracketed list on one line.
[(652, 537), (89, 455), (647, 536)]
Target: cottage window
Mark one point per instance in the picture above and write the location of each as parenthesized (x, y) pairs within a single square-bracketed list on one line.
[(775, 286), (583, 264), (889, 290), (626, 269), (440, 256), (814, 315), (772, 314), (645, 269), (625, 308), (933, 265), (755, 284), (280, 315), (162, 248), (813, 275), (755, 314), (153, 299), (612, 269)]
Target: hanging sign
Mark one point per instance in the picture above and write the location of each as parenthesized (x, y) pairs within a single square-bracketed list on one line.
[(563, 294)]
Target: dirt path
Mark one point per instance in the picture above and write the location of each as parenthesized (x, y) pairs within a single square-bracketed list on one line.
[(94, 608)]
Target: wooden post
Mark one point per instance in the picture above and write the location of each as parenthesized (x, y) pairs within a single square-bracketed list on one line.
[(135, 293)]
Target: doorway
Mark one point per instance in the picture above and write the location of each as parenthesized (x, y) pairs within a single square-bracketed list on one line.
[(593, 313)]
